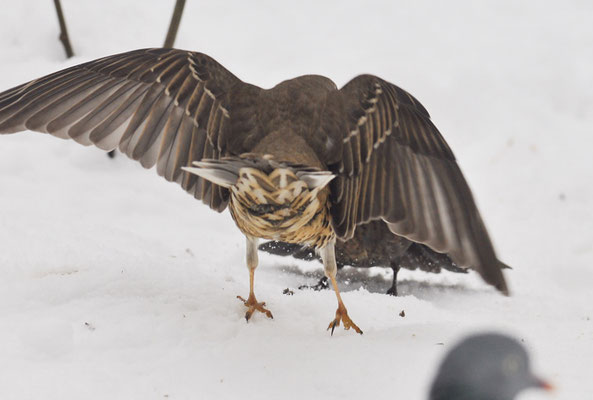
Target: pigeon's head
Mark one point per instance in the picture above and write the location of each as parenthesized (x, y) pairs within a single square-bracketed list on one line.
[(485, 367)]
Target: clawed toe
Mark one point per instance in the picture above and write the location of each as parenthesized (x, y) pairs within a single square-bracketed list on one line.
[(333, 324), (253, 306), (342, 316)]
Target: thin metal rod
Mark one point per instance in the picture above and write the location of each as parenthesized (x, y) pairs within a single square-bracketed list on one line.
[(63, 31), (174, 26)]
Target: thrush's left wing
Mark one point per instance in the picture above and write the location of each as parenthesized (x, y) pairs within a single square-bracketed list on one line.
[(396, 166)]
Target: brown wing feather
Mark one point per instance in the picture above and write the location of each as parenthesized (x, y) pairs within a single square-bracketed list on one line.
[(159, 106), (396, 166)]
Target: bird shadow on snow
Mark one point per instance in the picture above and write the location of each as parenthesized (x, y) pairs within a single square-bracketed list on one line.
[(377, 280)]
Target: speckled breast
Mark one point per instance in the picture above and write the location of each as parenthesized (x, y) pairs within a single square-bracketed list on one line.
[(279, 206)]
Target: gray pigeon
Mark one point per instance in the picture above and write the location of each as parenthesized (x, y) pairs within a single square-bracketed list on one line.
[(487, 366)]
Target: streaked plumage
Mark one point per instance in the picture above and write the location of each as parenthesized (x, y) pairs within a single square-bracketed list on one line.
[(171, 108), (272, 200)]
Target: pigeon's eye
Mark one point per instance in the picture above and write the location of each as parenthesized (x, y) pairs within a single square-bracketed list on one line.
[(511, 364)]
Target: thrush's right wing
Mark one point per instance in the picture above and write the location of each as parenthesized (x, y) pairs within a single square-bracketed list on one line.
[(159, 106)]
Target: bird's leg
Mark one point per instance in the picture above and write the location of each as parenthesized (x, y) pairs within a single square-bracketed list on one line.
[(329, 263), (393, 289), (251, 302)]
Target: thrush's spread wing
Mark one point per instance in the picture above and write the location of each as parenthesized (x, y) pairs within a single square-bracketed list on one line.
[(396, 166), (159, 106)]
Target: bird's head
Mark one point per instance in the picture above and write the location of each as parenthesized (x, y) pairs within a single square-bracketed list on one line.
[(485, 367)]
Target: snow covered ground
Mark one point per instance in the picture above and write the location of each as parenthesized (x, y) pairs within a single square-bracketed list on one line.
[(115, 284)]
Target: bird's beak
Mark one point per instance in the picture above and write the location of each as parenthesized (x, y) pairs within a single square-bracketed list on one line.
[(543, 384)]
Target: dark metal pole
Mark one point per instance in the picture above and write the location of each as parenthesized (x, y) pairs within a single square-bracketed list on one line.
[(63, 31), (174, 26)]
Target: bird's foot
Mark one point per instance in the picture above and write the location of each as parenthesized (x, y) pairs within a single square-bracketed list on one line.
[(253, 306), (342, 316), (392, 291)]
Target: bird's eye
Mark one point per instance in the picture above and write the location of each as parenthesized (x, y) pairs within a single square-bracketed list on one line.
[(511, 364)]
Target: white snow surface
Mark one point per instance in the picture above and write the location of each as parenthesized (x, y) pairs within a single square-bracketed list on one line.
[(115, 284)]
